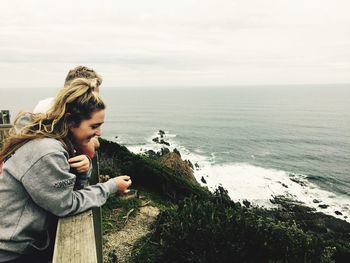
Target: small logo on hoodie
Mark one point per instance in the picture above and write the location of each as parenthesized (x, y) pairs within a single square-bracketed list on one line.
[(65, 183)]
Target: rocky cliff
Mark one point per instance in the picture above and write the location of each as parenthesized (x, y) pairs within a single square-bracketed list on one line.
[(181, 168)]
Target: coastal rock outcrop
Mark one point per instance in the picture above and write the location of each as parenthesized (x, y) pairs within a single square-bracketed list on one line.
[(189, 163), (164, 151), (161, 141), (161, 133), (177, 152), (323, 206), (156, 155), (181, 168), (160, 138), (310, 220)]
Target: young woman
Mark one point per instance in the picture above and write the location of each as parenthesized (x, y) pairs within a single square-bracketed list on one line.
[(75, 73), (36, 185)]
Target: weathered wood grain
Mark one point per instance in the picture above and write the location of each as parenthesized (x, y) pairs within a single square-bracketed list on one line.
[(75, 240)]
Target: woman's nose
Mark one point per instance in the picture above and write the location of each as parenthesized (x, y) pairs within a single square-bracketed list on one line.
[(98, 132)]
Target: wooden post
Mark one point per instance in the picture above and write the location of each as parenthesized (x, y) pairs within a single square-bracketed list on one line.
[(4, 125), (97, 212), (4, 117)]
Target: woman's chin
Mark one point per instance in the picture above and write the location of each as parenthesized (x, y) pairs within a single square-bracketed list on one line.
[(84, 142)]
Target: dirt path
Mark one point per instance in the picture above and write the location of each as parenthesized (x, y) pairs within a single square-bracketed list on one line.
[(120, 242)]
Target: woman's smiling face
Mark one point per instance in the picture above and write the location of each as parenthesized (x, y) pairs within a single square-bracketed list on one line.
[(88, 128)]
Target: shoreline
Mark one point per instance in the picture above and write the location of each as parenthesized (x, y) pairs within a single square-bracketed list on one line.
[(251, 183)]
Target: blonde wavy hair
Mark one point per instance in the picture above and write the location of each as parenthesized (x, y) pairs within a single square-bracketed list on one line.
[(74, 103)]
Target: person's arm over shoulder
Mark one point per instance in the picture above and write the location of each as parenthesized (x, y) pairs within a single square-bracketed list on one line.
[(50, 185), (43, 105)]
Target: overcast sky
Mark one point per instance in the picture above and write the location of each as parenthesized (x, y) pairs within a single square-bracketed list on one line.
[(176, 43)]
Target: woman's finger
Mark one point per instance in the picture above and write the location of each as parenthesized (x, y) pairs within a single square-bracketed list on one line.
[(76, 159), (75, 165)]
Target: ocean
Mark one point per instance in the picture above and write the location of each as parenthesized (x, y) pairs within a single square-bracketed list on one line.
[(256, 141)]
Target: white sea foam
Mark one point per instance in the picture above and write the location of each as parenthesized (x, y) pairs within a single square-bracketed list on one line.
[(258, 185)]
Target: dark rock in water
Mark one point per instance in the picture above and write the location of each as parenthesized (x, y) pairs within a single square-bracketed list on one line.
[(338, 213), (309, 220), (161, 141), (164, 142), (196, 165), (284, 185), (189, 163), (177, 152), (323, 206), (164, 151), (298, 181), (161, 133), (246, 203), (316, 201), (203, 180), (116, 137)]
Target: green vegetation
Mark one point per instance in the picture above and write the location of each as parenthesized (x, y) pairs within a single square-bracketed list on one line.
[(216, 229), (149, 174), (198, 226)]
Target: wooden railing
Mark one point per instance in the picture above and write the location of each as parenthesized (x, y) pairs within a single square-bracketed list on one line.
[(79, 237)]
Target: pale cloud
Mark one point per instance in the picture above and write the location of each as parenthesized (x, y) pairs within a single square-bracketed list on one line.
[(183, 43)]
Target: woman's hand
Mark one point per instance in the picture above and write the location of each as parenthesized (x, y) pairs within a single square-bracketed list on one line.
[(123, 182), (81, 163)]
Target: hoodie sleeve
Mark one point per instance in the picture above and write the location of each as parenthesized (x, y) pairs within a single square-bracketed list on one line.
[(50, 185)]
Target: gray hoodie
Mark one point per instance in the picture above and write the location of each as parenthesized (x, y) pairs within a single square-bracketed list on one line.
[(36, 184)]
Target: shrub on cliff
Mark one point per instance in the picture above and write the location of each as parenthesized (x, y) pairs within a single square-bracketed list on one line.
[(215, 229), (145, 172)]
